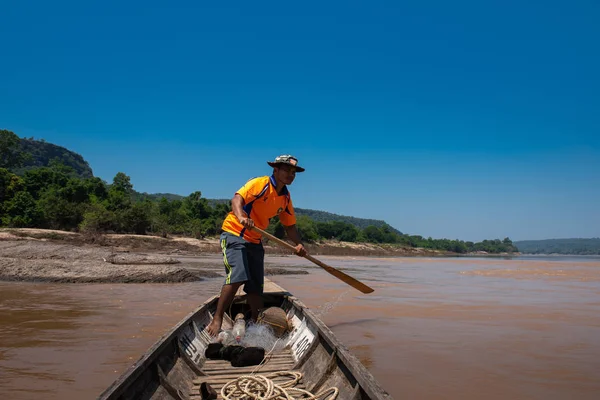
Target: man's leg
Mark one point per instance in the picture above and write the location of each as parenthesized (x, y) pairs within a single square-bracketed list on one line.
[(236, 265), (227, 294), (255, 301), (256, 269)]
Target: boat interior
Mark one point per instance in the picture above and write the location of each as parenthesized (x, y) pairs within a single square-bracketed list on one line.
[(308, 357)]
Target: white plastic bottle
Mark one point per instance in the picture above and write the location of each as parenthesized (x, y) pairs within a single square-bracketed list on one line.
[(239, 328), (226, 338)]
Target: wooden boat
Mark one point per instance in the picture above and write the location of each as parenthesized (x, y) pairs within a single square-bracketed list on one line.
[(176, 366)]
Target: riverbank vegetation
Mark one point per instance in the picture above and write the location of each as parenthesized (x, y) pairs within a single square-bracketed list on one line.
[(574, 246), (56, 196)]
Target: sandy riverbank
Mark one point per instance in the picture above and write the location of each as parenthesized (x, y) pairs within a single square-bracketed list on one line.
[(66, 257)]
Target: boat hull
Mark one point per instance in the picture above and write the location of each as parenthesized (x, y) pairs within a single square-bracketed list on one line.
[(176, 365)]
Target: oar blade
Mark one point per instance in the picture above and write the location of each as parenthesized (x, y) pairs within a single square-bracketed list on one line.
[(351, 281), (333, 271), (342, 276)]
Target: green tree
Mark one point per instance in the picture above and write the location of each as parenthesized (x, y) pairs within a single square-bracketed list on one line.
[(307, 229), (221, 210), (335, 230), (21, 211), (194, 227), (122, 183), (135, 219), (11, 155), (160, 225), (177, 214), (58, 211), (120, 192), (325, 230), (200, 228), (350, 234), (38, 179), (373, 234), (197, 207), (96, 188), (211, 226), (97, 219), (9, 185), (75, 191), (388, 235), (63, 206)]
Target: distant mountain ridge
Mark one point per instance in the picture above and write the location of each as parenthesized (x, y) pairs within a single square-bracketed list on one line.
[(315, 215), (42, 152), (362, 223), (575, 246), (324, 216), (158, 196)]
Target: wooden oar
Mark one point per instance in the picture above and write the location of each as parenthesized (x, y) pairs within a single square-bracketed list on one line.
[(333, 271)]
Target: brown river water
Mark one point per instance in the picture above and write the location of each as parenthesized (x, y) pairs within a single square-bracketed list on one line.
[(445, 328)]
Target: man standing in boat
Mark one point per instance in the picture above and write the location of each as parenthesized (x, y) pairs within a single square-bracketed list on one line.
[(259, 200)]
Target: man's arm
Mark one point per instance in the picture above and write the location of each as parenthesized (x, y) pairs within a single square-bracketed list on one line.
[(292, 233), (237, 206)]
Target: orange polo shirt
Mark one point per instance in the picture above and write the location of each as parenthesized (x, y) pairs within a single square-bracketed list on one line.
[(261, 203)]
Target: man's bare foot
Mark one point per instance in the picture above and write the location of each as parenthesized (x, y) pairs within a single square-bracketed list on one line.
[(214, 327)]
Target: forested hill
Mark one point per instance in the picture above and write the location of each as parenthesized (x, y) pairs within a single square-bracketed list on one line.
[(362, 223), (158, 196), (560, 246), (41, 153), (324, 216), (317, 216)]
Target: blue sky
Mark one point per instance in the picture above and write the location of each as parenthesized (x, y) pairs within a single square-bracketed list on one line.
[(462, 119)]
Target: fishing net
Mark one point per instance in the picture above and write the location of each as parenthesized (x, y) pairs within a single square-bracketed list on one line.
[(276, 318)]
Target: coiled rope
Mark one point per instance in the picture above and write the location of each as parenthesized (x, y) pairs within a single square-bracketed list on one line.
[(262, 387)]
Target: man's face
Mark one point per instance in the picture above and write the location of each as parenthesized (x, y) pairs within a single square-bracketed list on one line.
[(285, 173)]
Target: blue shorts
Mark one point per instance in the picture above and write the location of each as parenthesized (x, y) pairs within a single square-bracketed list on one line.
[(244, 262)]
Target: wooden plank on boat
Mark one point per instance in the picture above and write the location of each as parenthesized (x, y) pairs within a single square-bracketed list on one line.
[(280, 366), (270, 287), (220, 372), (217, 368)]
